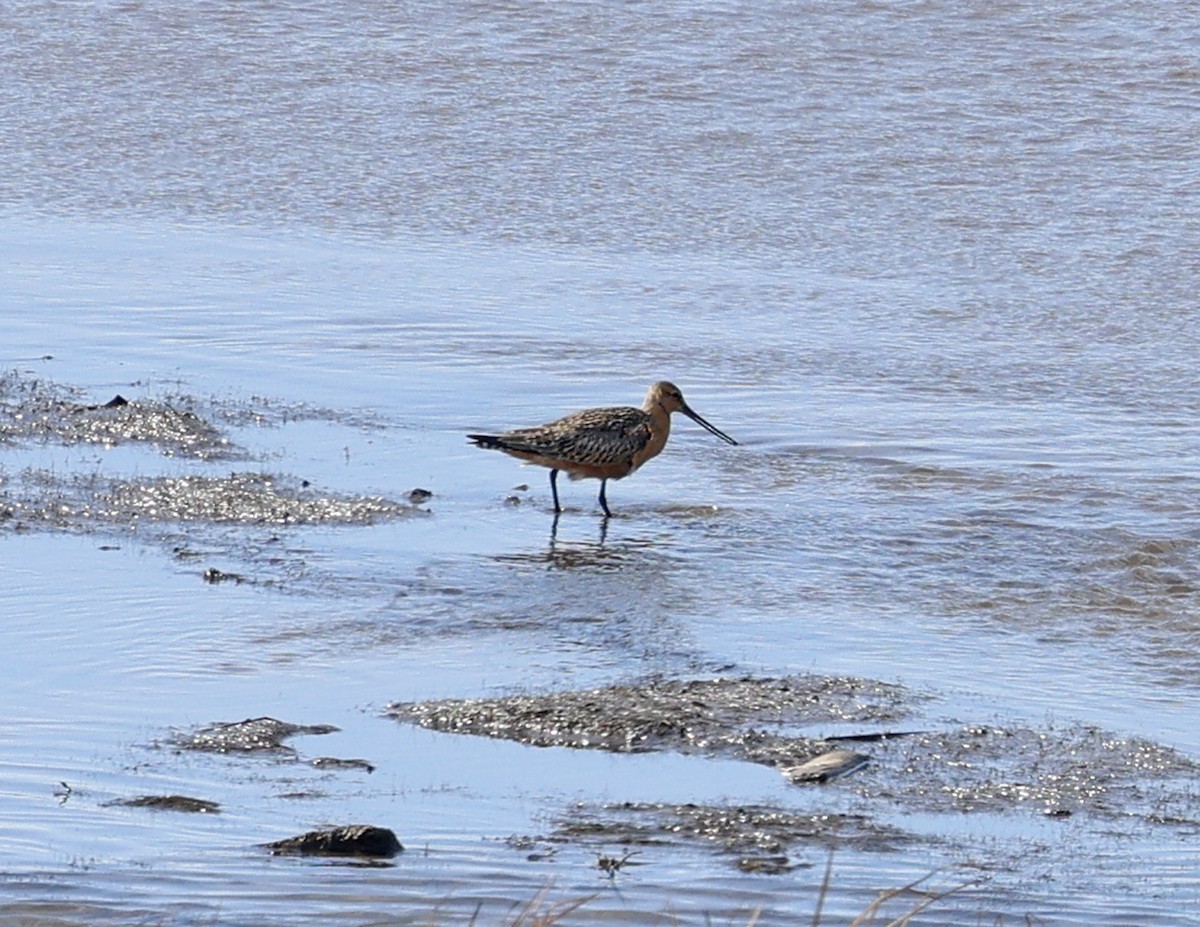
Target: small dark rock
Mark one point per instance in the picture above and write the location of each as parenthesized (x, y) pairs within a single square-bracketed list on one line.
[(170, 803), (417, 496), (333, 762), (350, 840), (768, 865), (213, 575), (249, 736)]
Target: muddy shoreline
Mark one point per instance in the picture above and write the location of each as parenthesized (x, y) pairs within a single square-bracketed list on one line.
[(1056, 771), (862, 755)]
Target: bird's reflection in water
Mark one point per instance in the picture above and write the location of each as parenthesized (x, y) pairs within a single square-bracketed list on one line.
[(585, 554), (612, 588), (599, 541)]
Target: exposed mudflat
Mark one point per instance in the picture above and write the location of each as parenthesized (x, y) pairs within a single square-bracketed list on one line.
[(254, 735), (932, 266), (1057, 771), (743, 833), (714, 716), (35, 409), (90, 503), (173, 423), (196, 515), (859, 767), (183, 803)]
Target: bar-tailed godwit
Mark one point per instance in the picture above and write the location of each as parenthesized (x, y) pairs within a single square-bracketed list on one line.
[(603, 444)]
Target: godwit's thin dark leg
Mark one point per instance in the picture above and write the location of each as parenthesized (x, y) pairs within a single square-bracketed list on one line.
[(554, 490), (603, 500)]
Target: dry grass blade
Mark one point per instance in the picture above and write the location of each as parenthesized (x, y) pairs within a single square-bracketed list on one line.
[(535, 912), (816, 921), (926, 899)]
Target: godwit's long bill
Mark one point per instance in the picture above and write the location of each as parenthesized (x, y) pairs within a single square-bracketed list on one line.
[(603, 444)]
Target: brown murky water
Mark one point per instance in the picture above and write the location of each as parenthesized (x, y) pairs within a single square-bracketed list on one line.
[(931, 266)]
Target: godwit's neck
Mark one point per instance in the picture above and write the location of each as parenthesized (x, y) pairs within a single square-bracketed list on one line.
[(660, 430), (660, 418)]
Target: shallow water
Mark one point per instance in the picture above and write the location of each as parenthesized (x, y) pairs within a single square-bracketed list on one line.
[(932, 267)]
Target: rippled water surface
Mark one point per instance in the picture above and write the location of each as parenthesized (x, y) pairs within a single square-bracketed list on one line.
[(932, 265)]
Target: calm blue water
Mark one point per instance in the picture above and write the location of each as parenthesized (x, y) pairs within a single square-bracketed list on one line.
[(933, 266)]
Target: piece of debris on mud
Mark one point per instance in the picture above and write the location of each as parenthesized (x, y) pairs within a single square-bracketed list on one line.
[(536, 849), (745, 831), (213, 576), (768, 865), (871, 736), (1058, 771), (824, 767), (418, 496), (333, 762), (169, 803), (611, 865), (349, 840), (254, 735), (33, 409), (713, 716)]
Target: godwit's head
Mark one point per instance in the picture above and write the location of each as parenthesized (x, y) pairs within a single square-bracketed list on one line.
[(669, 398)]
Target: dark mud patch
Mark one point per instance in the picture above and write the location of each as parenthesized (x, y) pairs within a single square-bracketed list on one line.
[(713, 716), (34, 410), (239, 518), (235, 523), (755, 837), (183, 803), (1058, 771), (243, 498), (45, 498), (254, 735), (1061, 772), (266, 737), (336, 763), (362, 840), (39, 410)]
